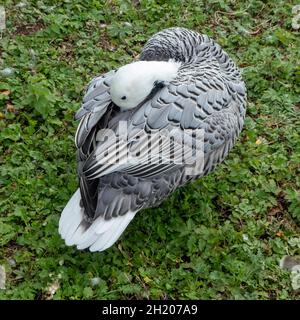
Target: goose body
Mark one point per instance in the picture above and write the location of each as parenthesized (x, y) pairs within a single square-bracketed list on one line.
[(183, 81)]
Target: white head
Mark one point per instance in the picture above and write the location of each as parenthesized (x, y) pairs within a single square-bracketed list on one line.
[(133, 82)]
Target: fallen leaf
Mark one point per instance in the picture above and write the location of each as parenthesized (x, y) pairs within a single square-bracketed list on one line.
[(5, 92), (10, 108), (274, 211), (258, 142), (147, 280), (51, 289)]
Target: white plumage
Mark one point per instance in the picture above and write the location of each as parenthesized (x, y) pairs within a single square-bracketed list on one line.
[(99, 236)]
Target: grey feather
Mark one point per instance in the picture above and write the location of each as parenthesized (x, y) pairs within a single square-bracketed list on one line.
[(93, 107), (208, 93)]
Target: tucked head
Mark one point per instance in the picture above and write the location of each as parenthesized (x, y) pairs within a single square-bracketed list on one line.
[(133, 82)]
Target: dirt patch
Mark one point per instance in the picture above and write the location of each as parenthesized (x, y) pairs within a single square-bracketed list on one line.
[(29, 28), (66, 48), (276, 212), (67, 52), (105, 42)]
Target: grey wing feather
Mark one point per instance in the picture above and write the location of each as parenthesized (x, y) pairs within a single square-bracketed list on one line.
[(165, 112), (94, 106)]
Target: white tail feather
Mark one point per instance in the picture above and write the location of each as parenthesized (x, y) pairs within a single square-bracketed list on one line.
[(99, 236)]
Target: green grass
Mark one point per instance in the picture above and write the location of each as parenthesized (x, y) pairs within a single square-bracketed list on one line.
[(218, 238)]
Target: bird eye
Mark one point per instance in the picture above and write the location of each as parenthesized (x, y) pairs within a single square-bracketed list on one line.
[(123, 98)]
